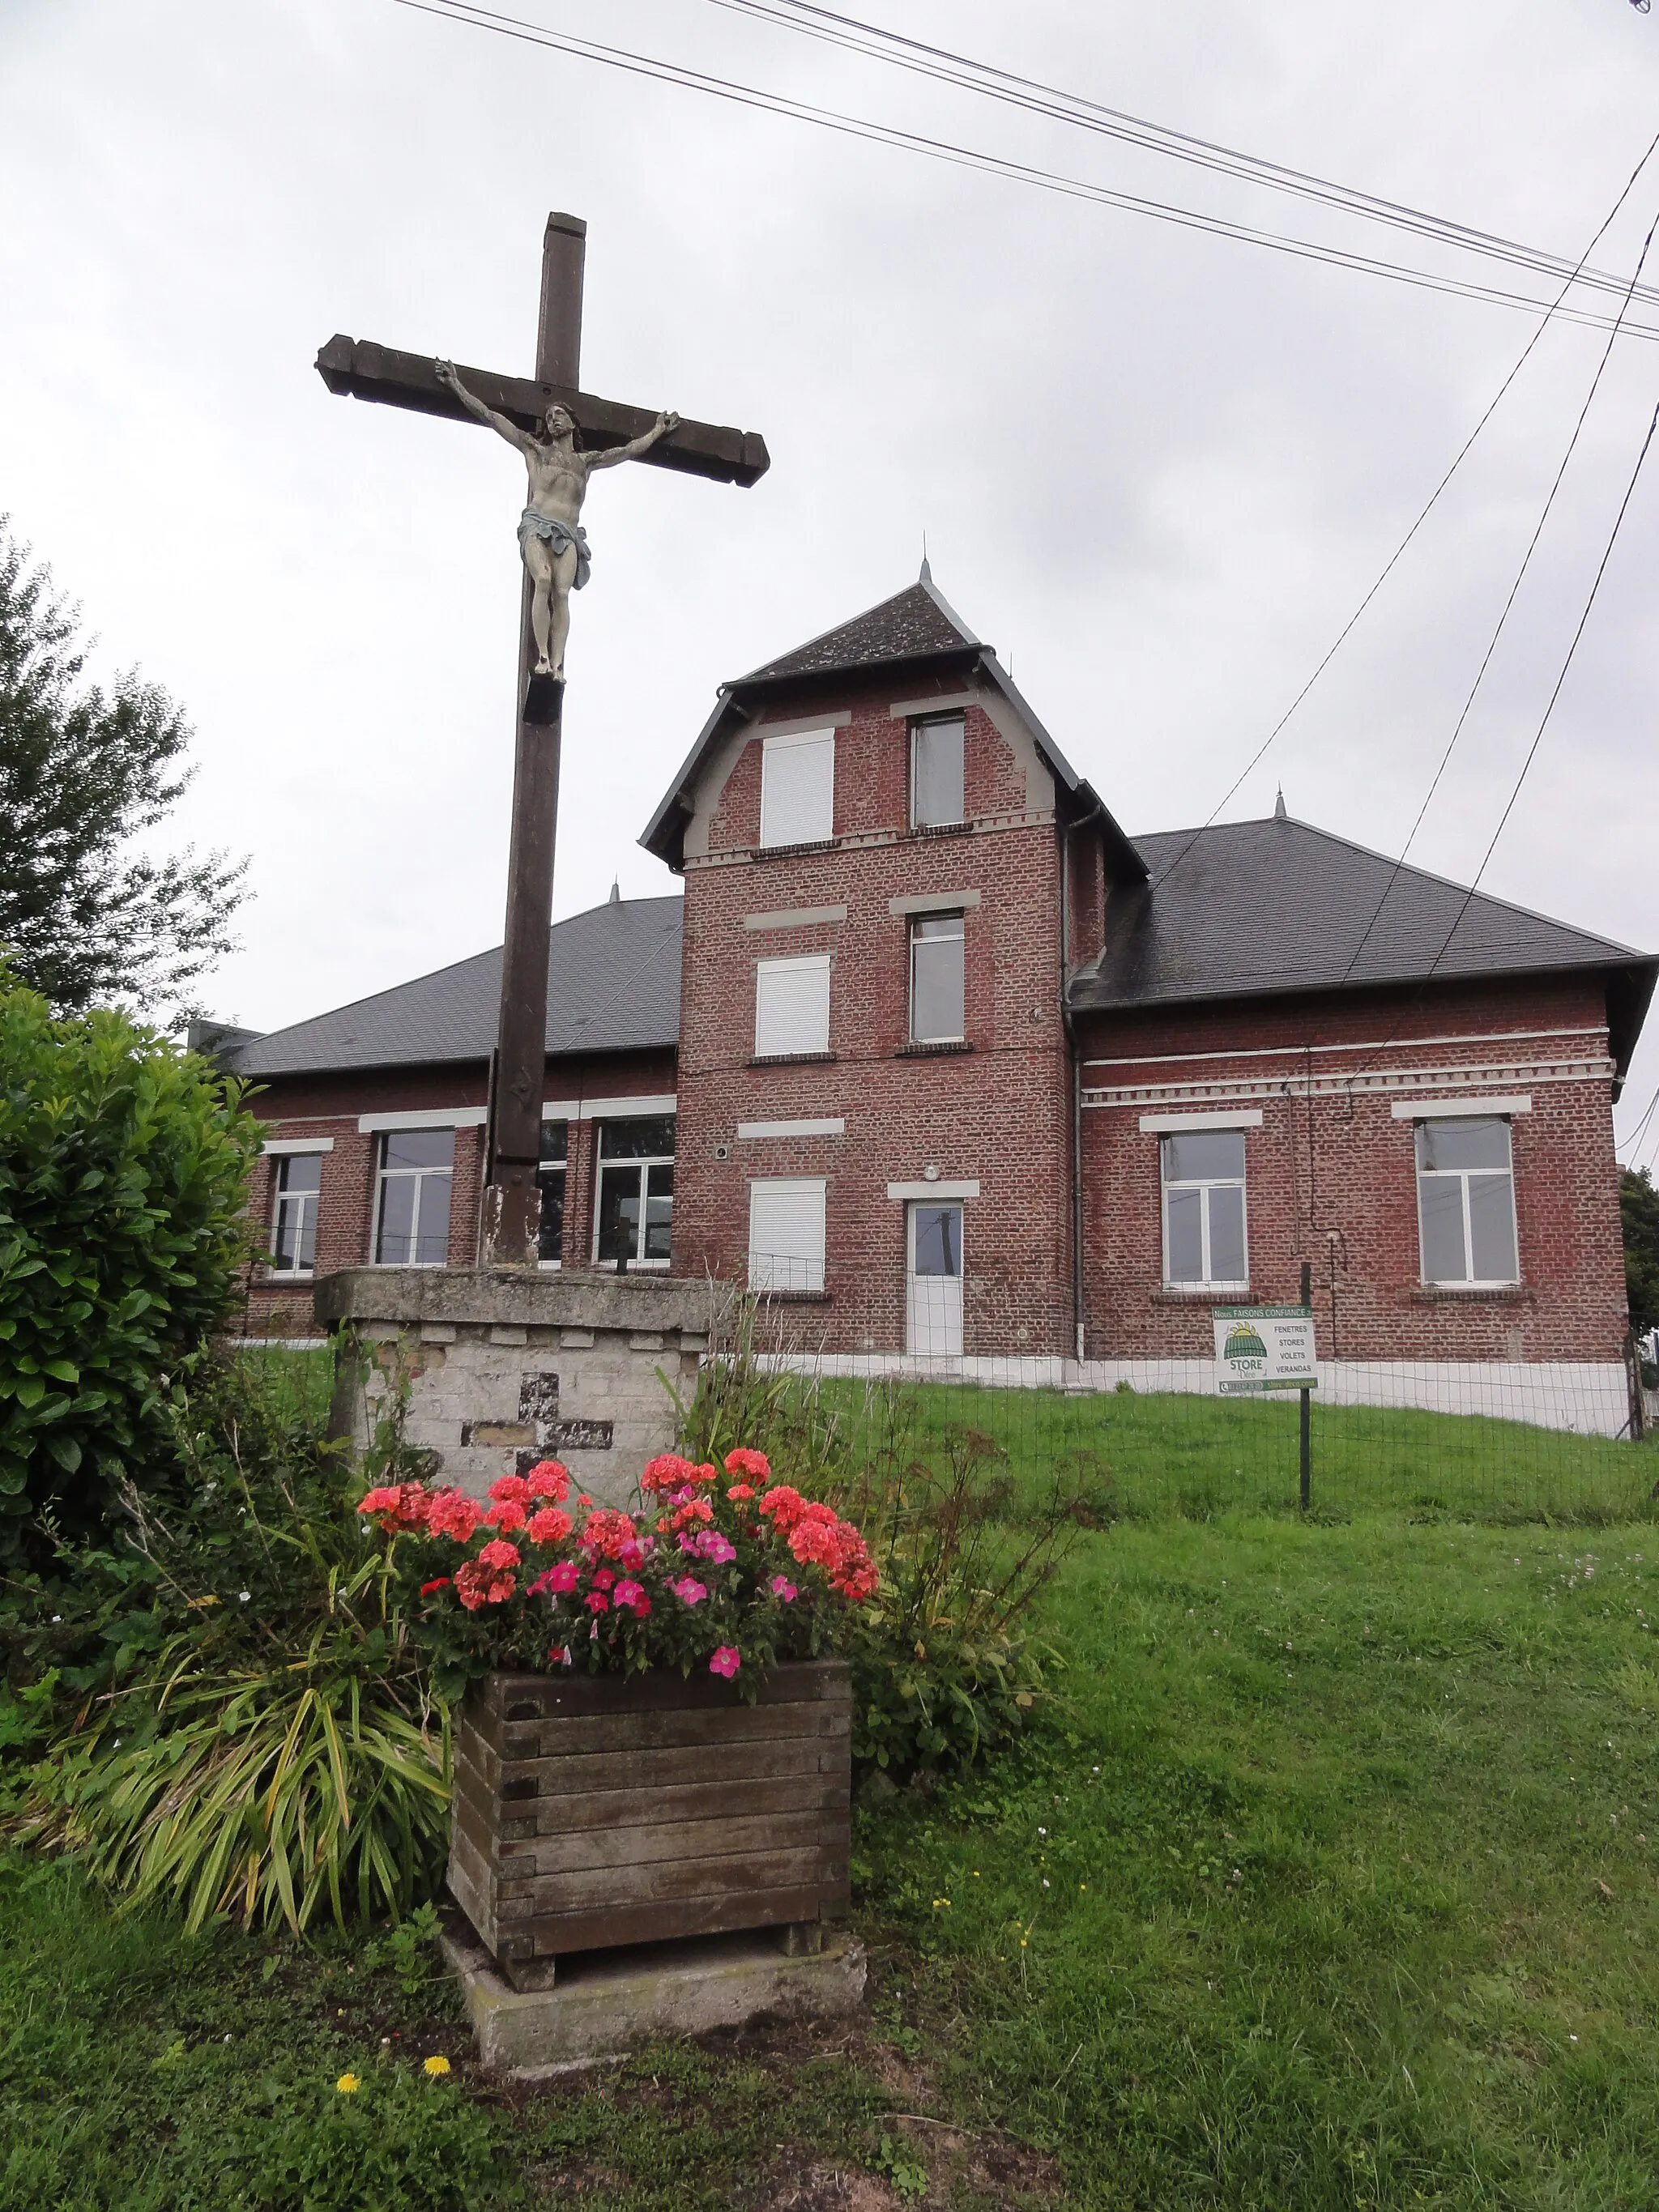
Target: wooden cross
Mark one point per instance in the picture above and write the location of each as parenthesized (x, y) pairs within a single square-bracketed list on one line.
[(510, 1221)]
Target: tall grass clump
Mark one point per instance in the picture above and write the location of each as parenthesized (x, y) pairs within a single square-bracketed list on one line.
[(947, 1665), (244, 1725)]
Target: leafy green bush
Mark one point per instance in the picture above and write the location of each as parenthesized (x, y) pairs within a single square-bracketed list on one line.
[(945, 1666), (122, 1170), (252, 1731)]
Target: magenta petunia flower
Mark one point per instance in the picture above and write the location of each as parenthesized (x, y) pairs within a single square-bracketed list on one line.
[(783, 1588), (688, 1590), (716, 1547), (727, 1661)]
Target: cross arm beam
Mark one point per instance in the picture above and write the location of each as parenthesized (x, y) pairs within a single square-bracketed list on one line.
[(356, 368)]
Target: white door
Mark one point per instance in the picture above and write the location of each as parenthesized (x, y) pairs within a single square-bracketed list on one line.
[(934, 1271)]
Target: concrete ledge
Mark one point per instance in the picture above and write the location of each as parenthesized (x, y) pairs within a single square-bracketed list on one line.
[(606, 2001), (507, 1298)]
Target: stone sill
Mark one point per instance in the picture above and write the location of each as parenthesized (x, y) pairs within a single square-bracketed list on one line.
[(939, 1051), (797, 1297), (1208, 1298), (1444, 1294), (789, 1058), (941, 829), (794, 852)]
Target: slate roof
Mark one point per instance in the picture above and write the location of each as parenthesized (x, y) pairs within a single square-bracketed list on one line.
[(915, 626), (1247, 909), (613, 985), (911, 625)]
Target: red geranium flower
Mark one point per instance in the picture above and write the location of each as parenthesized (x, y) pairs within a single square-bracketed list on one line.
[(743, 1462), (549, 1478), (498, 1555), (453, 1513), (509, 1490), (549, 1526)]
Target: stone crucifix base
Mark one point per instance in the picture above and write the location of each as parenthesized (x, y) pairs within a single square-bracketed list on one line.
[(504, 1368)]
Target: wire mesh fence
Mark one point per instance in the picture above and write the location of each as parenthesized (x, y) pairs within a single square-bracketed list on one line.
[(1493, 1441)]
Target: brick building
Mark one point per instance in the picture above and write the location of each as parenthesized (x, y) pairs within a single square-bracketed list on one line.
[(945, 1059)]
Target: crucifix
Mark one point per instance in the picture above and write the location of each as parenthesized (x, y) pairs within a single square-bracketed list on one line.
[(563, 435)]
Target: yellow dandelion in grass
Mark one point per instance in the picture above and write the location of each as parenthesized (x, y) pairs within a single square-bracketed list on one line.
[(436, 2065), (348, 2085)]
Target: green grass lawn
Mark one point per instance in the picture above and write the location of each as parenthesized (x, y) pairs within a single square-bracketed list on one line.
[(1147, 1456), (1335, 1888)]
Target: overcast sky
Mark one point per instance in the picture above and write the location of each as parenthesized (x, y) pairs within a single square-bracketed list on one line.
[(1157, 470)]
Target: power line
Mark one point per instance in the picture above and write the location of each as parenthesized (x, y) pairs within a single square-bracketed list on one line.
[(1392, 563), (472, 18), (1500, 626), (1051, 102)]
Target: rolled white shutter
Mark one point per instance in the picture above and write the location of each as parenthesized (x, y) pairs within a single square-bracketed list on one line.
[(798, 788), (792, 1006), (786, 1234)]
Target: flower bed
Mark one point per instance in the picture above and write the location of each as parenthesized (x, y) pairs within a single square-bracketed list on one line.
[(705, 1785)]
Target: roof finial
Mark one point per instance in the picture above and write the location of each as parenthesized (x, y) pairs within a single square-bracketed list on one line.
[(616, 891), (927, 575), (1279, 815)]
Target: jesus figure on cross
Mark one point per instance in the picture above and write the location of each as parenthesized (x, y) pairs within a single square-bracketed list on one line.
[(550, 535)]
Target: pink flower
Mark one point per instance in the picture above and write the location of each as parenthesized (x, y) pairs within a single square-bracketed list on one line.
[(633, 1597), (743, 1462), (550, 1526), (557, 1580), (498, 1555), (783, 1588), (632, 1555), (715, 1548), (548, 1479), (688, 1590), (726, 1660), (597, 1601)]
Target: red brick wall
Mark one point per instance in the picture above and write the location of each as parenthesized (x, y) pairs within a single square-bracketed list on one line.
[(1331, 1178), (329, 1105), (998, 1113)]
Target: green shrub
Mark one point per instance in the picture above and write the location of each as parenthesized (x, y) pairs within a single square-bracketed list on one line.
[(122, 1170), (250, 1729), (945, 1664)]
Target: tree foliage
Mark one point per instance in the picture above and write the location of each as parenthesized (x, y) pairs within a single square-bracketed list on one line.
[(123, 1176), (1638, 1207), (88, 916)]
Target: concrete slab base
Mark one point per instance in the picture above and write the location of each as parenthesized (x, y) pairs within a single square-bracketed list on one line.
[(605, 2002)]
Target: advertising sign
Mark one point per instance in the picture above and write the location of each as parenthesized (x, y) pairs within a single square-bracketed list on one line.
[(1264, 1348)]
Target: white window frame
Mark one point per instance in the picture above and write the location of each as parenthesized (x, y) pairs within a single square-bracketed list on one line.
[(812, 1267), (309, 1200), (1205, 1185), (383, 1175), (914, 932), (918, 724), (543, 1164), (773, 749), (797, 963), (602, 1167), (1448, 1174)]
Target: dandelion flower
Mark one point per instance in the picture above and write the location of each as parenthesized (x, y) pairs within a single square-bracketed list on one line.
[(348, 2085), (435, 2065)]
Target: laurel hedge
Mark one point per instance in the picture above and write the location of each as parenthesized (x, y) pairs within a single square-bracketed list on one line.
[(123, 1175)]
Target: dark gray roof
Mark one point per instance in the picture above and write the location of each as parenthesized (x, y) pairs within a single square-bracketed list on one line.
[(1246, 909), (613, 985), (914, 623)]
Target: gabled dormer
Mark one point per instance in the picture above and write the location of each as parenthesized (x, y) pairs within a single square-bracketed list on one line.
[(900, 723)]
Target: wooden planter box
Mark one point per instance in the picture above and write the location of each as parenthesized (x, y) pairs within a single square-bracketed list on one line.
[(591, 1811)]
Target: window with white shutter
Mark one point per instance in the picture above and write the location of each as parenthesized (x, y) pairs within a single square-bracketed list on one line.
[(786, 1234), (792, 1006), (798, 788)]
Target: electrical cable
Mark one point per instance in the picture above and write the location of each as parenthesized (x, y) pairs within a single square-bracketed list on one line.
[(1389, 567), (1499, 627), (472, 18), (1053, 104)]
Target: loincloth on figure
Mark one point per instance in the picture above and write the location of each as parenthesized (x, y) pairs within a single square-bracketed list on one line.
[(559, 535)]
